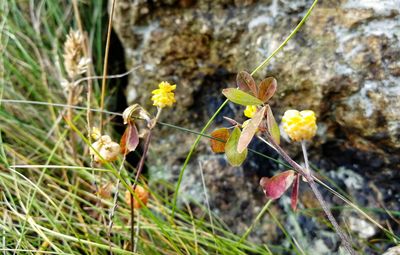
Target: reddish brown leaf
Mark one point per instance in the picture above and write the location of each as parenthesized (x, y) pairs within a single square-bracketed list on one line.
[(221, 134), (267, 89), (275, 186), (250, 130), (272, 126), (246, 82), (295, 193), (130, 139)]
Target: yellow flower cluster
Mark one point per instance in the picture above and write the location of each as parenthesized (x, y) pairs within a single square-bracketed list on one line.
[(163, 96), (250, 111), (299, 125)]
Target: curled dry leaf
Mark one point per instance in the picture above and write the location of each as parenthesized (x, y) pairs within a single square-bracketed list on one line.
[(267, 89), (250, 129), (246, 82), (275, 186), (234, 157), (135, 111), (220, 134)]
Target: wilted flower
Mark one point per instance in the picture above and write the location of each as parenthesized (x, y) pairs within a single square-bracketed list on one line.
[(163, 96), (106, 148), (141, 194), (299, 125), (250, 111)]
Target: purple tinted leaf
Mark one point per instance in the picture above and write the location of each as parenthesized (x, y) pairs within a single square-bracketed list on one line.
[(246, 82), (267, 89), (130, 139), (275, 186), (295, 193), (250, 130)]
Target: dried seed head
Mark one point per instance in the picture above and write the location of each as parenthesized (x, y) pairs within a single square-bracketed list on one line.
[(141, 194), (107, 150), (74, 62)]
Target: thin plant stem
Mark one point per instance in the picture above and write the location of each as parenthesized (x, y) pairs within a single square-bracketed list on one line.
[(115, 204), (317, 194), (257, 219), (194, 145), (305, 155), (139, 171), (103, 82), (303, 20), (137, 231)]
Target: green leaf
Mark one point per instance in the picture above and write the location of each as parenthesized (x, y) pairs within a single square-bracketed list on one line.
[(250, 130), (272, 126), (245, 82), (234, 157), (239, 97)]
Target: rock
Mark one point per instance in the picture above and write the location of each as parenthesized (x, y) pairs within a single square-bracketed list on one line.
[(393, 251), (344, 64), (362, 227)]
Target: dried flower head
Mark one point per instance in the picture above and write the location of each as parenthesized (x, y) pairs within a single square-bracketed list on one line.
[(74, 61), (299, 125), (163, 96), (107, 150), (141, 194), (250, 111)]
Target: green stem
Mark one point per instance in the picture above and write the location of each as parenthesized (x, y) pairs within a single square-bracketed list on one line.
[(194, 145), (303, 20), (258, 218)]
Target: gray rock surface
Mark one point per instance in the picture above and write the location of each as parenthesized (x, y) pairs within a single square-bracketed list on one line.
[(344, 64)]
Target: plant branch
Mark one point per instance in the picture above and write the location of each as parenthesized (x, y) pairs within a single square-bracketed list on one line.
[(310, 180)]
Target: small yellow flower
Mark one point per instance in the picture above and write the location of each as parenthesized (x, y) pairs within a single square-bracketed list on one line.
[(299, 125), (163, 96), (250, 111)]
